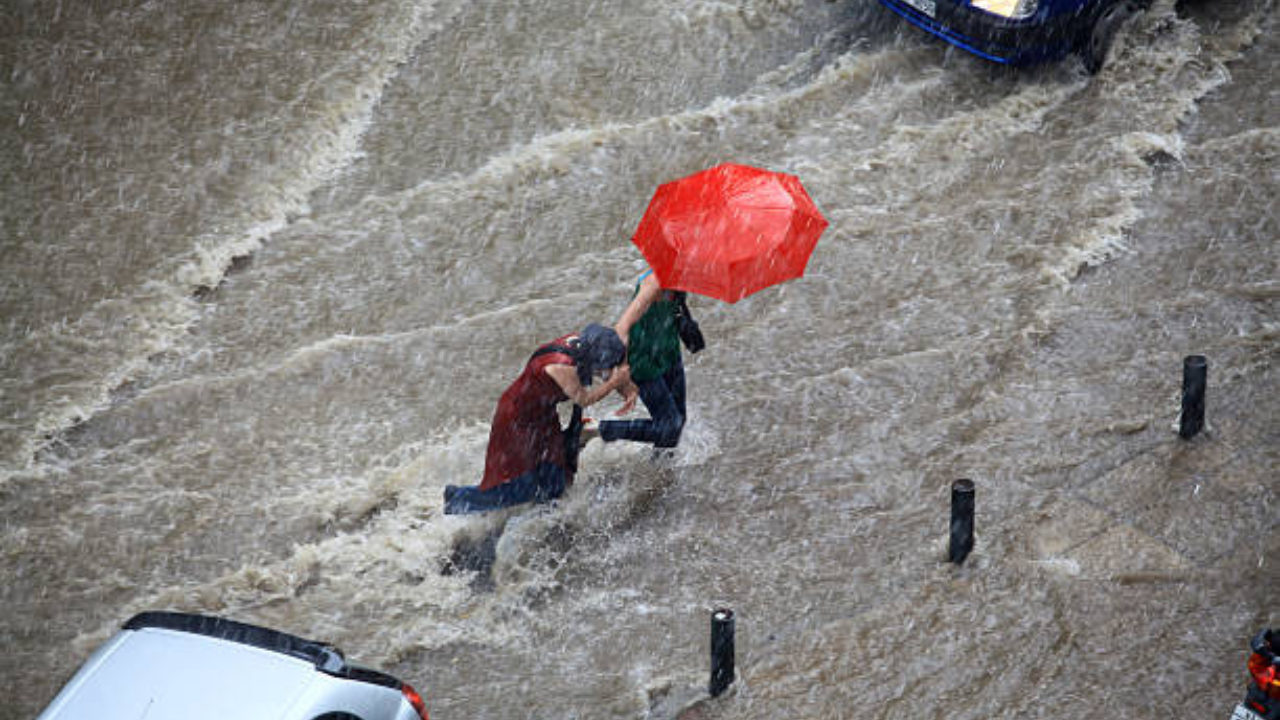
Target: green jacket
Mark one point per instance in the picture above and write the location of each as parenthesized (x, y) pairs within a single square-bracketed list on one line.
[(654, 341)]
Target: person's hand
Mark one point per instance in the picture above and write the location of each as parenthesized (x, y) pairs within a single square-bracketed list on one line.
[(630, 393)]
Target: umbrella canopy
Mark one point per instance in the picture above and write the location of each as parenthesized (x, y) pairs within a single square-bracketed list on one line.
[(729, 231)]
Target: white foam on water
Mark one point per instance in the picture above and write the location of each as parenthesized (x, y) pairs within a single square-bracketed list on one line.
[(389, 567)]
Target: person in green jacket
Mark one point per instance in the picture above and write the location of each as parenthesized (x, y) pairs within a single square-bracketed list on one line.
[(649, 329)]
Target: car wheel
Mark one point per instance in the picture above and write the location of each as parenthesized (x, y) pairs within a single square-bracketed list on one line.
[(1098, 44)]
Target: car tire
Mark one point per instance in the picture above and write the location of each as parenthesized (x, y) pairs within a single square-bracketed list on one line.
[(1102, 33)]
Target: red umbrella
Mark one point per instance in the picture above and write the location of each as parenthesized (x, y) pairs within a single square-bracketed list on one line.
[(729, 231)]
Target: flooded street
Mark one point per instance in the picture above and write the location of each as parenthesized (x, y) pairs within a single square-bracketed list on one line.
[(268, 267)]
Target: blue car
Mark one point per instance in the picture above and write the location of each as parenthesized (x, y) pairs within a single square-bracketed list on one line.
[(1023, 32)]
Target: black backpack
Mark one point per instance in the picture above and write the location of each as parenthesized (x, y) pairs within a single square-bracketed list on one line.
[(690, 333)]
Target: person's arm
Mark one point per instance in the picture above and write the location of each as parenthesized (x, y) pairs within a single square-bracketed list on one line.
[(639, 305), (566, 376)]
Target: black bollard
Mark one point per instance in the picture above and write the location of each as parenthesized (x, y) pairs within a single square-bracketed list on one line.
[(1195, 377), (961, 520), (721, 650)]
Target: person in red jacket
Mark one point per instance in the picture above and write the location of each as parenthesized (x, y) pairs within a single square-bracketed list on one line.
[(530, 458)]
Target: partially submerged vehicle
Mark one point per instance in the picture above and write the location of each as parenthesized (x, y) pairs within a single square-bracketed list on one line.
[(1023, 32), (178, 666)]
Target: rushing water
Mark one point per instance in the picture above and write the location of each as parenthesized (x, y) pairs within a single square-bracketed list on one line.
[(268, 265)]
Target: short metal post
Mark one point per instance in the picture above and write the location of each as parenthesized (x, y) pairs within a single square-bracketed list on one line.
[(1195, 377), (721, 650), (961, 520)]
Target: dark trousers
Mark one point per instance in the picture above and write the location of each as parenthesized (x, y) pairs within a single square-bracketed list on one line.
[(542, 484), (664, 398)]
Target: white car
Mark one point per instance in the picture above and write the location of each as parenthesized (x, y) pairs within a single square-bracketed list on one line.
[(177, 666)]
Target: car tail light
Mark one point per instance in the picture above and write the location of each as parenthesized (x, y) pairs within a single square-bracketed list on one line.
[(415, 700)]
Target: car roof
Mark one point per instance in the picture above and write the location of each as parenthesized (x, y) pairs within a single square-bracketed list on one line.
[(159, 673), (174, 665)]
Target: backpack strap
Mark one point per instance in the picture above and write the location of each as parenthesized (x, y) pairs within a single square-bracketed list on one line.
[(553, 348)]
